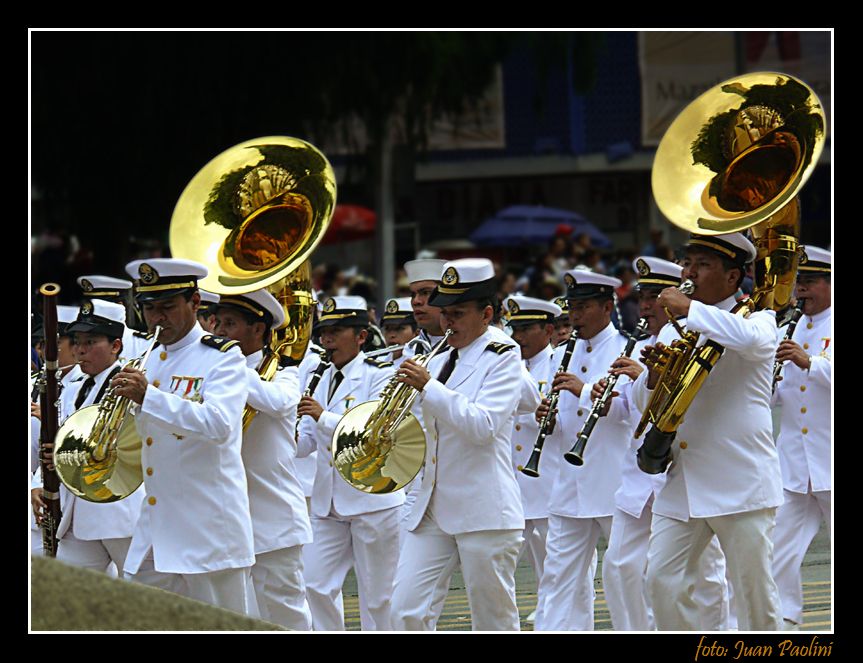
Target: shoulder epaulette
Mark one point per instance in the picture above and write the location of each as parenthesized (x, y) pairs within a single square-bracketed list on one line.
[(378, 363), (144, 335), (499, 348), (218, 342)]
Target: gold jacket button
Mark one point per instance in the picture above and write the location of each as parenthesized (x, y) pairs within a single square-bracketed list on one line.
[(805, 430), (589, 349), (156, 383), (520, 468), (584, 369), (163, 355), (809, 326), (151, 500), (149, 441), (518, 426), (580, 412), (805, 346), (518, 447), (802, 387), (149, 471), (683, 445), (803, 410)]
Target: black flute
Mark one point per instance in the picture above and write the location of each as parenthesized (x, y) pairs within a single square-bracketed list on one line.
[(575, 455), (796, 314), (546, 426)]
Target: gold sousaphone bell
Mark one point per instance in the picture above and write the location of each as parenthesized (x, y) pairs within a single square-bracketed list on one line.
[(735, 158), (253, 215)]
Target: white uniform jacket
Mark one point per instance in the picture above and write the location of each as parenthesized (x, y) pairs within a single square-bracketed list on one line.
[(307, 465), (93, 521), (725, 461), (804, 441), (588, 491), (135, 344), (280, 518), (363, 381), (636, 487), (468, 481), (196, 516), (535, 492)]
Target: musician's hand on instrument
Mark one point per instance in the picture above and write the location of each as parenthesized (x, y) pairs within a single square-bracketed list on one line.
[(412, 374), (675, 301), (37, 503), (568, 382), (596, 392), (627, 366), (790, 351), (130, 383), (310, 407), (36, 411), (46, 455), (542, 410)]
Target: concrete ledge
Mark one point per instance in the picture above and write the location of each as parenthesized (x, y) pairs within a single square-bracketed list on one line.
[(67, 598)]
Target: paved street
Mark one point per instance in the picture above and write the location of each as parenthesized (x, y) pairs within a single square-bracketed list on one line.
[(456, 615)]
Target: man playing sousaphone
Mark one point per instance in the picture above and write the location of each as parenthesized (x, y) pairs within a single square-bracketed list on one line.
[(724, 476)]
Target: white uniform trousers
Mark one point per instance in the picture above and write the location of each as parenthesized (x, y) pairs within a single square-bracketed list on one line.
[(230, 589), (797, 522), (368, 542), (623, 577), (36, 542), (535, 533), (673, 567), (430, 555), (566, 594), (280, 590), (99, 554)]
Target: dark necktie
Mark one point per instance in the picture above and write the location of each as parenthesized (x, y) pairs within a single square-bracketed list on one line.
[(337, 380), (85, 389), (448, 367)]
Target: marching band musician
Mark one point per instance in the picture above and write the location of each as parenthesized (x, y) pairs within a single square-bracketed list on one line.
[(468, 506), (94, 535), (562, 323), (69, 373), (804, 442), (724, 478), (350, 528), (399, 326), (280, 520), (624, 562), (207, 310), (532, 323), (194, 534), (582, 498), (110, 289), (423, 277)]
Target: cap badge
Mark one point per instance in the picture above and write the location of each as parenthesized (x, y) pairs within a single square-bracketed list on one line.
[(513, 307), (86, 285), (392, 306), (87, 308), (562, 302), (450, 276), (330, 305), (803, 257), (148, 275), (643, 267), (569, 279)]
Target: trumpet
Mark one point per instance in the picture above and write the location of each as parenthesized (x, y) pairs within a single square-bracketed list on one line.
[(796, 314), (575, 456), (379, 446), (546, 426), (97, 449)]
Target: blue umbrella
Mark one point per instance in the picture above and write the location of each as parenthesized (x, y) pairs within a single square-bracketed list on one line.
[(533, 224)]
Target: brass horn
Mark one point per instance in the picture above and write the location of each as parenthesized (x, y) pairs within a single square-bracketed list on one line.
[(735, 158), (253, 215)]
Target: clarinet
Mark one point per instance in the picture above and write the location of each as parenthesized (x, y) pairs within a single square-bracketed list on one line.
[(575, 456), (796, 314), (49, 394), (546, 426), (313, 384)]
